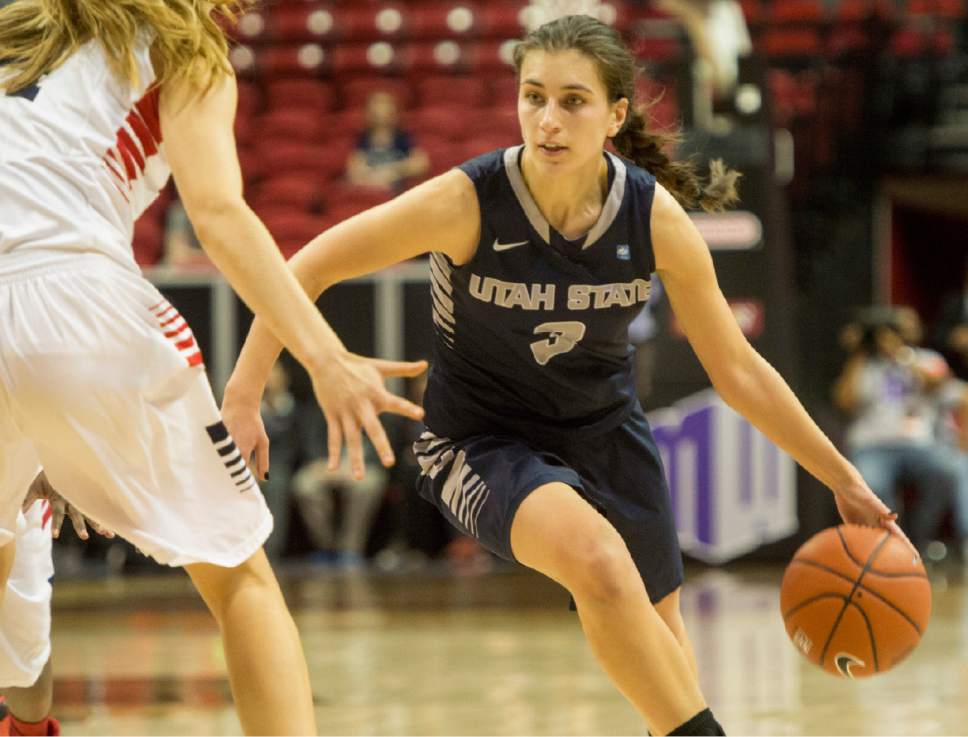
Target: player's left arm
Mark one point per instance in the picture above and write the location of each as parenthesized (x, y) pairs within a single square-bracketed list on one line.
[(742, 376)]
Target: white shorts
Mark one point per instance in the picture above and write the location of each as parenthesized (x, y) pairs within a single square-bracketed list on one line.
[(25, 612), (102, 382)]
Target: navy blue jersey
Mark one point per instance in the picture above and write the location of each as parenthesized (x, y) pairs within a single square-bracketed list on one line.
[(531, 334)]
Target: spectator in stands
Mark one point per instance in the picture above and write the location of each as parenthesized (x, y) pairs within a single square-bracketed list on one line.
[(316, 488), (181, 247), (952, 329), (884, 388), (280, 414), (384, 155), (952, 436)]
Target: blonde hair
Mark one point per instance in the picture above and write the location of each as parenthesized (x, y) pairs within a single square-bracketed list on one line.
[(37, 36)]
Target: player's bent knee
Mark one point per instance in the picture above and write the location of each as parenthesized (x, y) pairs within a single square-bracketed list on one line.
[(601, 569)]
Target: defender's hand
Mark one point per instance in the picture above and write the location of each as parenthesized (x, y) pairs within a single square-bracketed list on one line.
[(41, 490), (351, 393)]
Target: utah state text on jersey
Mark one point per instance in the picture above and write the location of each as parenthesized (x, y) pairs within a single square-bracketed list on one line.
[(542, 296)]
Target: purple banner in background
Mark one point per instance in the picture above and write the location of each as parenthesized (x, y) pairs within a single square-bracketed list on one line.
[(732, 489)]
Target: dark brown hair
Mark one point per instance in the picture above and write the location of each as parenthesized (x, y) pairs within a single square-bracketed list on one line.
[(635, 140)]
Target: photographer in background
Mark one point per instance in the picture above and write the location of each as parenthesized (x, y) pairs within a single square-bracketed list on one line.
[(885, 389)]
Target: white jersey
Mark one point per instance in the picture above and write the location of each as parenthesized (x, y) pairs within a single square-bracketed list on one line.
[(80, 159)]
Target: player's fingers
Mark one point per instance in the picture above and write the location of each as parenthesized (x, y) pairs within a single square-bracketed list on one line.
[(262, 458), (77, 519), (334, 442), (399, 368), (378, 436), (400, 406), (896, 530), (354, 446), (100, 530), (56, 516)]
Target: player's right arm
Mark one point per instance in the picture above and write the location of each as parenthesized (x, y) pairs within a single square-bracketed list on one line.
[(441, 215), (197, 127)]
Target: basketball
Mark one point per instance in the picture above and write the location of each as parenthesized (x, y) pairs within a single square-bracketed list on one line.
[(854, 601)]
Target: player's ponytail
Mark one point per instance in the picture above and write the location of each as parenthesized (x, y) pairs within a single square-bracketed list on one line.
[(636, 141), (37, 36), (648, 148)]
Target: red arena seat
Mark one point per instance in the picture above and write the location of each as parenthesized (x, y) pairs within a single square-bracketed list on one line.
[(500, 19), (299, 191), (448, 122), (451, 90), (437, 57), (363, 21), (291, 123), (433, 20), (313, 94), (292, 228), (379, 57), (325, 160), (297, 60), (494, 57), (302, 22), (355, 92)]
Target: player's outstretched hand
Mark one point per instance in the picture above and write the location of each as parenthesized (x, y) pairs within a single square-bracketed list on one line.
[(352, 394), (244, 423), (41, 489), (859, 505)]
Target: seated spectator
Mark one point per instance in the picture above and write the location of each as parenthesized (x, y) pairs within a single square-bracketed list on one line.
[(385, 155), (281, 417), (423, 532), (316, 489), (952, 329), (891, 436), (952, 436)]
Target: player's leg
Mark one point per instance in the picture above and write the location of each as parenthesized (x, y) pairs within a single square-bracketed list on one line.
[(120, 411), (265, 670), (28, 709), (668, 609), (25, 672), (559, 534)]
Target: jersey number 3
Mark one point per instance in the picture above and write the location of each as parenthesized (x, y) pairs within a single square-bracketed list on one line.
[(562, 337)]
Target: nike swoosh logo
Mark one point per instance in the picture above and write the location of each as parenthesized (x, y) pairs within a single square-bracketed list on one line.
[(843, 661), (508, 246)]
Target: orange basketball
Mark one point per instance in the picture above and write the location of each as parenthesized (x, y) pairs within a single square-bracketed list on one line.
[(854, 601)]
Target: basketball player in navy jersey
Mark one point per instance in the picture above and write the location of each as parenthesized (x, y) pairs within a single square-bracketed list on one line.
[(536, 445)]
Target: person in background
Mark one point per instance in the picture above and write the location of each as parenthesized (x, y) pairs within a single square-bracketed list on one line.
[(316, 486), (280, 413), (884, 390), (951, 333), (952, 437), (384, 155)]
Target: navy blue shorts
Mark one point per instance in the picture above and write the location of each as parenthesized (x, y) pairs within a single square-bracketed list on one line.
[(479, 482)]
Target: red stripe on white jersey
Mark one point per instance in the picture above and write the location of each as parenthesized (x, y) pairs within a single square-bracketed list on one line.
[(137, 140), (178, 332), (46, 514)]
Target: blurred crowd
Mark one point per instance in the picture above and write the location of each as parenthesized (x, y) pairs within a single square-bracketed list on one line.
[(904, 396)]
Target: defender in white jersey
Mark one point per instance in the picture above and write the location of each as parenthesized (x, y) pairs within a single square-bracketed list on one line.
[(101, 381)]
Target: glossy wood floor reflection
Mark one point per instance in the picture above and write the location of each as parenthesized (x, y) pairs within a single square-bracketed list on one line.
[(493, 653)]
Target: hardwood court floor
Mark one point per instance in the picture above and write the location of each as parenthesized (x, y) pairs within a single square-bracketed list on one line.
[(495, 653)]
